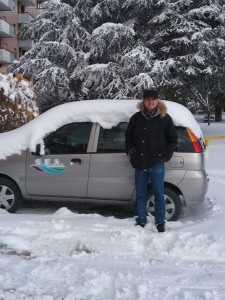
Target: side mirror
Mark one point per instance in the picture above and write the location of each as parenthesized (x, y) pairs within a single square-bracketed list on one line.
[(38, 150)]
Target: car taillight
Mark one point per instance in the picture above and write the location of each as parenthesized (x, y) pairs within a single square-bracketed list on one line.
[(194, 141)]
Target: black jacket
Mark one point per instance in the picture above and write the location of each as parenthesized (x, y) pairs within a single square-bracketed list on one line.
[(149, 141)]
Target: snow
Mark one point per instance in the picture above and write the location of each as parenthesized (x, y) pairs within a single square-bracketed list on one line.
[(108, 27), (107, 113), (140, 52), (199, 59), (55, 254), (190, 70), (13, 87), (163, 65)]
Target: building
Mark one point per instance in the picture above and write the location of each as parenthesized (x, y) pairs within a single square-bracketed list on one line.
[(14, 13)]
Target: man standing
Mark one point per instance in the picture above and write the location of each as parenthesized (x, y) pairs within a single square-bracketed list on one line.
[(151, 139)]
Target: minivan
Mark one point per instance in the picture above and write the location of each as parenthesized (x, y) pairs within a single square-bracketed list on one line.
[(76, 152), (207, 118)]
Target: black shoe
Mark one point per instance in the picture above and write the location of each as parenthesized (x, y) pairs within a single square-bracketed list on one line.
[(140, 224), (160, 227)]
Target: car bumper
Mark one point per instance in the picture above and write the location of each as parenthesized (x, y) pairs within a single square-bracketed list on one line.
[(194, 187)]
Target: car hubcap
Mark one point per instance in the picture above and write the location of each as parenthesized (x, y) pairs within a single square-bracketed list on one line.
[(170, 207), (7, 197)]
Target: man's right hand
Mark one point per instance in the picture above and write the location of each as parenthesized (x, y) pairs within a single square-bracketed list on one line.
[(131, 151)]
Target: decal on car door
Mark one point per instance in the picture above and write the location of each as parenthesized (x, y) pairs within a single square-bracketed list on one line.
[(49, 165)]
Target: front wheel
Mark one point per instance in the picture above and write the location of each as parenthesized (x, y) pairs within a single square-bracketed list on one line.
[(10, 196), (173, 204)]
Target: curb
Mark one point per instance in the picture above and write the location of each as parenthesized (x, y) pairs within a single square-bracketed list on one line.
[(209, 138)]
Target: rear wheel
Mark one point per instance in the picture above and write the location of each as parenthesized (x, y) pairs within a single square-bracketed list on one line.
[(10, 196), (173, 204)]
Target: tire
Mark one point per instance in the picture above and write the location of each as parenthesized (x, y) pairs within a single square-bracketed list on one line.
[(10, 195), (173, 204)]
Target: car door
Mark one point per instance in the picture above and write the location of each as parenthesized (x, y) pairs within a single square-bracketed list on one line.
[(111, 175), (63, 170)]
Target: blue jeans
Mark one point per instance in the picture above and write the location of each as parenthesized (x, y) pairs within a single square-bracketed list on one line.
[(156, 175)]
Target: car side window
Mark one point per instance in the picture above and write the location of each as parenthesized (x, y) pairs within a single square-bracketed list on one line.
[(69, 139), (112, 140)]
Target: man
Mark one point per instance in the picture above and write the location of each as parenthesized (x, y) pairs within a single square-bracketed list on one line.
[(151, 139)]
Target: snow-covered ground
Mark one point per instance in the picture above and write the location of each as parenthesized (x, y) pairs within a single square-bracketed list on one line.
[(59, 254)]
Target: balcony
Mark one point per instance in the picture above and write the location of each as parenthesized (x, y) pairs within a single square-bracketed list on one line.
[(28, 2), (24, 17), (6, 57), (36, 11), (6, 5), (26, 44), (6, 30)]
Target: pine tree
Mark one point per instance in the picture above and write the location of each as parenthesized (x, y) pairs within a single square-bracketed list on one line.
[(112, 48), (208, 60)]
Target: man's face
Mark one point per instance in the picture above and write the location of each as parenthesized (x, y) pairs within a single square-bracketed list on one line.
[(151, 103)]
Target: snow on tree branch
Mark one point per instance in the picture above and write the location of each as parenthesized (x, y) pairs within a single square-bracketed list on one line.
[(111, 40)]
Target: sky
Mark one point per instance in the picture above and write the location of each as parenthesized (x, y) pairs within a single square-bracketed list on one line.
[(57, 252)]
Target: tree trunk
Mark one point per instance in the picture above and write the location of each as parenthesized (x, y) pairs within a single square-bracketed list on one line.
[(208, 114), (218, 113)]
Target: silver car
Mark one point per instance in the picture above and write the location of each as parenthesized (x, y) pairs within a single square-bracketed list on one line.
[(83, 160)]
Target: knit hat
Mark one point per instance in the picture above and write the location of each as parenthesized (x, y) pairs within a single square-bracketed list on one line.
[(150, 94)]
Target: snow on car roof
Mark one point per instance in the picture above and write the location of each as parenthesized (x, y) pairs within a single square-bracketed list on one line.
[(107, 113)]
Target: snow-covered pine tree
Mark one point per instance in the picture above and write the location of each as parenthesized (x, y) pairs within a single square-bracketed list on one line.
[(190, 60), (113, 48), (136, 68), (209, 59), (70, 48), (169, 35)]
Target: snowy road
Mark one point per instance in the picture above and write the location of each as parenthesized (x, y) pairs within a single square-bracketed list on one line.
[(57, 254)]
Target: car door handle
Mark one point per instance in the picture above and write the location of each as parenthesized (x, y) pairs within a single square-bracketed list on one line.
[(76, 161)]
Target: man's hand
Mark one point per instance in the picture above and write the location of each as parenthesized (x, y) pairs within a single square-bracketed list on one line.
[(131, 151)]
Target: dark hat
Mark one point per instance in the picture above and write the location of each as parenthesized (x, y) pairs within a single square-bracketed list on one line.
[(150, 94)]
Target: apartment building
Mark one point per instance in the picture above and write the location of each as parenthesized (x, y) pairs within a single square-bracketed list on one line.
[(14, 13)]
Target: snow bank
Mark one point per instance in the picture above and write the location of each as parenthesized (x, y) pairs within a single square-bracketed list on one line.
[(107, 113), (71, 256), (65, 233)]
